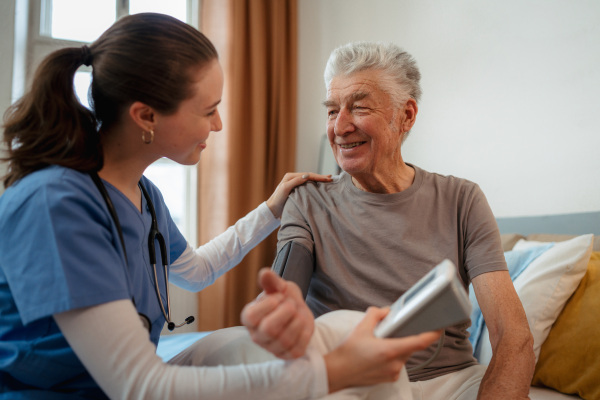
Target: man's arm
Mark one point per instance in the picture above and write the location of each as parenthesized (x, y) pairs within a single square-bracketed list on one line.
[(295, 248), (510, 371), (295, 263)]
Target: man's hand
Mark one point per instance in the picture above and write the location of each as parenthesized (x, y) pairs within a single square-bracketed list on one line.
[(279, 320)]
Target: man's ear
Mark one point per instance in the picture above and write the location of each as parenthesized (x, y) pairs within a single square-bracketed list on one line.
[(410, 114), (142, 115)]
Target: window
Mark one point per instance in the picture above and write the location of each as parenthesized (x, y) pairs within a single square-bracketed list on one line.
[(73, 23), (85, 20)]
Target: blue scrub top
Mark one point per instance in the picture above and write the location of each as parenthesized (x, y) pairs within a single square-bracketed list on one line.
[(60, 250)]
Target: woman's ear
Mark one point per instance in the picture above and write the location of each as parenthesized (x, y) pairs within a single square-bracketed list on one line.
[(142, 115)]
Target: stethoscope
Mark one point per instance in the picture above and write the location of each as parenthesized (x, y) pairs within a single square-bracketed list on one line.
[(153, 237)]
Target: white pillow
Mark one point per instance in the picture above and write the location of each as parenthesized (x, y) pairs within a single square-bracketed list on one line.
[(544, 287)]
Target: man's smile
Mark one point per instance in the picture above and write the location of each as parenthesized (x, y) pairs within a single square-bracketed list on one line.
[(350, 145)]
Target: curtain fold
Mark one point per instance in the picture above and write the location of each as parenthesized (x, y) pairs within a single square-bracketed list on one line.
[(243, 164)]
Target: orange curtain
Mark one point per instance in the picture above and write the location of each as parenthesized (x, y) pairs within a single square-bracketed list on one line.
[(244, 163)]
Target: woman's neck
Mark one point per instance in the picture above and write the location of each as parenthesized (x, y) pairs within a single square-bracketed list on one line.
[(124, 164), (128, 185)]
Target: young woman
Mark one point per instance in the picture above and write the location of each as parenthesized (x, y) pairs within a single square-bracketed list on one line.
[(86, 239)]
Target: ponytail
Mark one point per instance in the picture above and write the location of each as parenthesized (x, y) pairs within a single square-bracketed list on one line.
[(145, 57), (48, 125)]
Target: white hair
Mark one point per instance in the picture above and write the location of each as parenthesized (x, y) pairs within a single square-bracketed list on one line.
[(400, 73)]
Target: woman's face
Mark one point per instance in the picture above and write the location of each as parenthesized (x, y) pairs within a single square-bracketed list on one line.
[(182, 135)]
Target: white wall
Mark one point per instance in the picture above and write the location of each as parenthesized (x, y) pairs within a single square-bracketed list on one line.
[(511, 92)]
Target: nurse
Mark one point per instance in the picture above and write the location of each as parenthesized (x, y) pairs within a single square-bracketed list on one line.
[(86, 239)]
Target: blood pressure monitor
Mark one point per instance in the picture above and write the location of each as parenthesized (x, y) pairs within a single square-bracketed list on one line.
[(435, 302)]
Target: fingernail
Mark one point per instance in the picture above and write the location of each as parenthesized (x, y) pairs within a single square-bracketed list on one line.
[(304, 176)]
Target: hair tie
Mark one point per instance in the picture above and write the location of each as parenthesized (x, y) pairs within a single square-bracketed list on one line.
[(86, 56)]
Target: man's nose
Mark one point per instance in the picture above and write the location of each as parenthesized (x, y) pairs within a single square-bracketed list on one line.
[(344, 123)]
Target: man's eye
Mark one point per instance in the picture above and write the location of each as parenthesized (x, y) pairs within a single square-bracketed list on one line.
[(332, 113)]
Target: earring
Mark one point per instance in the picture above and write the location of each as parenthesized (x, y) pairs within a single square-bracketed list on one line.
[(148, 141)]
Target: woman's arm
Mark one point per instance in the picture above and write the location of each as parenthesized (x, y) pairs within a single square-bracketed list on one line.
[(112, 344), (197, 269)]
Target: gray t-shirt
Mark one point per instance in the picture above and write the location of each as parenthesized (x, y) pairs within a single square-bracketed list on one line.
[(369, 248)]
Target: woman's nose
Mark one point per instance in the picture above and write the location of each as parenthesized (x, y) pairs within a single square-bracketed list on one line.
[(217, 124)]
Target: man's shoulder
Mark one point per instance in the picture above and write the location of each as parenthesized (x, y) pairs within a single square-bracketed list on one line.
[(313, 189), (447, 180)]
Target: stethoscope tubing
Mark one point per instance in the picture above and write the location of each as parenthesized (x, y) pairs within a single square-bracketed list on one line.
[(153, 236)]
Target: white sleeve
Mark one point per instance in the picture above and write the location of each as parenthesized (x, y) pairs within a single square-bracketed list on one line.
[(196, 269), (112, 344)]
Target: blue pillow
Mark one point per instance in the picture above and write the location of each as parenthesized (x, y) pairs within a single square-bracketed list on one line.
[(517, 261)]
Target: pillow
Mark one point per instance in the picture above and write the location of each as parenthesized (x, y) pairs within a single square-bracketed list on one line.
[(171, 345), (547, 237), (517, 261), (569, 359), (544, 287), (510, 239)]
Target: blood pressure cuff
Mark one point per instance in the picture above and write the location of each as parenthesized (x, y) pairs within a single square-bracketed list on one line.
[(295, 263)]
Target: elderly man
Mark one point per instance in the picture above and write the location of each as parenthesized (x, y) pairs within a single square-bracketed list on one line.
[(367, 237)]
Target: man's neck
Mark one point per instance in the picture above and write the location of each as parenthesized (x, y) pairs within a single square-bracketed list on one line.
[(387, 182)]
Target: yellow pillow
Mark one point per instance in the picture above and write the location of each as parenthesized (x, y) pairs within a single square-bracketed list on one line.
[(569, 359)]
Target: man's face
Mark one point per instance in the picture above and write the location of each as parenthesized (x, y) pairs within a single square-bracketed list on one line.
[(364, 132)]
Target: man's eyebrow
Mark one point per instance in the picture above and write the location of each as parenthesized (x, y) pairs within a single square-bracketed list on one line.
[(356, 96)]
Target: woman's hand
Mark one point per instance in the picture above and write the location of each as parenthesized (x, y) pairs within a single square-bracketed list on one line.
[(290, 181), (362, 359), (279, 320)]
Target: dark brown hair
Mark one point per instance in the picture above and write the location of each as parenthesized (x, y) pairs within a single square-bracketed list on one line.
[(143, 57)]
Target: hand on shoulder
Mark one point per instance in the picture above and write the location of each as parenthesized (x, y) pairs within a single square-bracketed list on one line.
[(289, 182)]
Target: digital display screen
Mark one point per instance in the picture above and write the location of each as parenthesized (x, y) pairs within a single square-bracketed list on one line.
[(418, 286)]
